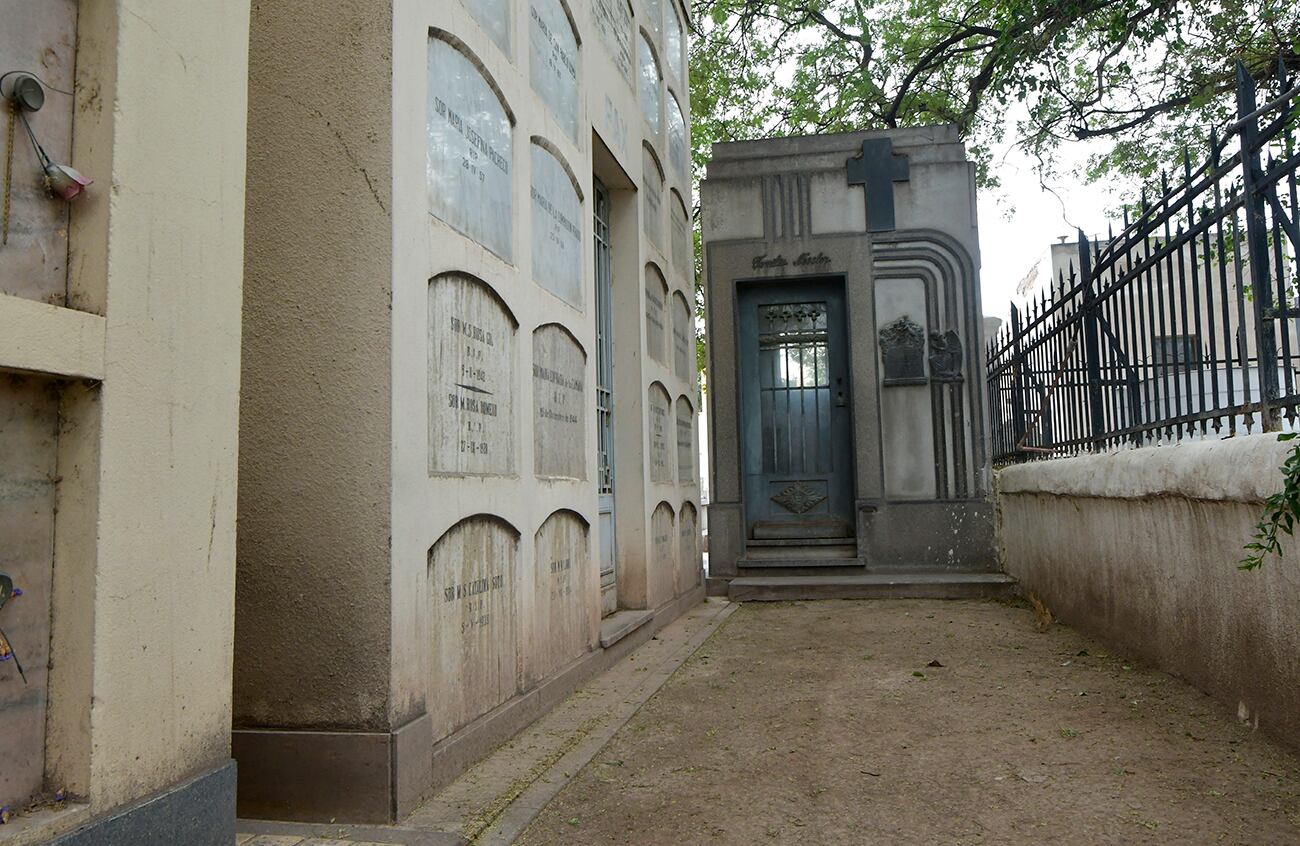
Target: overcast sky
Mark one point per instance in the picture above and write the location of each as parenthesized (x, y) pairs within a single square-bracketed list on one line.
[(1019, 221)]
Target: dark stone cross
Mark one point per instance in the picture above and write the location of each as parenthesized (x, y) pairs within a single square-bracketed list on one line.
[(876, 170)]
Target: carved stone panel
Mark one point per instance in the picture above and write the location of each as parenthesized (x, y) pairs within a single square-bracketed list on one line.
[(563, 616), (494, 17), (471, 379), (685, 443), (652, 197), (656, 315), (946, 356), (661, 436), (557, 229), (473, 577), (683, 339), (651, 87), (553, 61), (902, 351), (559, 404), (679, 149), (469, 151), (689, 565), (613, 20), (663, 560), (683, 251)]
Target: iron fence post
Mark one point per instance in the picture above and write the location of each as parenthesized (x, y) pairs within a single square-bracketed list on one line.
[(1017, 383), (1092, 344), (1257, 251)]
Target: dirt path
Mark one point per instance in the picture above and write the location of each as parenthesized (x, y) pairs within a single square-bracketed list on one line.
[(825, 723)]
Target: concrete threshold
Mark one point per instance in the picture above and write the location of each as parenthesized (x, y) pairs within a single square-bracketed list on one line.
[(496, 799), (902, 585), (620, 624)]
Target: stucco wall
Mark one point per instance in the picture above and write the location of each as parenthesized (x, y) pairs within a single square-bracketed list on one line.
[(312, 627), (1141, 549)]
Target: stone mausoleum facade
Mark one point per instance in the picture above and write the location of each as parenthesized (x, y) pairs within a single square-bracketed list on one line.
[(847, 413), (467, 431)]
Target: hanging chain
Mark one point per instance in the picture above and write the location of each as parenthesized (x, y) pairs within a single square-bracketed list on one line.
[(9, 169)]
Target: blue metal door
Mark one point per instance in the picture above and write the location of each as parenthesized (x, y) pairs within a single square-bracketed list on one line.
[(796, 420)]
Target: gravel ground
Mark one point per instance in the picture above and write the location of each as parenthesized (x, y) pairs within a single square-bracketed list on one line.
[(915, 722)]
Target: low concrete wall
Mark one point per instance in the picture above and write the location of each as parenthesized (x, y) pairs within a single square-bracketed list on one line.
[(1140, 548)]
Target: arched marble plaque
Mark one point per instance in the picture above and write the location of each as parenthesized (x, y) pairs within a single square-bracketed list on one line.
[(683, 339), (685, 443), (471, 379), (473, 577), (661, 436), (553, 61), (557, 229), (663, 545), (468, 159), (653, 15), (674, 43), (559, 404), (689, 566), (494, 17), (563, 615), (683, 252), (656, 314), (651, 87), (679, 145), (652, 197), (613, 20)]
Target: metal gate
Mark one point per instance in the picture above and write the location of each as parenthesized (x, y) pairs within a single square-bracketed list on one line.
[(605, 403)]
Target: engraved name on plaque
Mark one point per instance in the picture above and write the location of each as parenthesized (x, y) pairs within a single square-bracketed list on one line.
[(471, 379), (557, 228)]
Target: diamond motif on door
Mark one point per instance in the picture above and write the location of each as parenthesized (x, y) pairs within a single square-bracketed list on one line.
[(798, 498)]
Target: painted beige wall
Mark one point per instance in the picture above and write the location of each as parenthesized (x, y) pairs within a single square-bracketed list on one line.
[(1141, 547), (312, 629), (144, 539)]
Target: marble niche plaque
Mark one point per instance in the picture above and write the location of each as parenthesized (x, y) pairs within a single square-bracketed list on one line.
[(614, 23), (563, 615), (656, 314), (653, 11), (683, 253), (468, 158), (674, 43), (494, 17), (689, 567), (471, 379), (661, 408), (685, 443), (472, 582), (553, 61), (651, 94), (557, 229), (683, 339), (679, 150), (652, 192), (663, 545), (559, 404)]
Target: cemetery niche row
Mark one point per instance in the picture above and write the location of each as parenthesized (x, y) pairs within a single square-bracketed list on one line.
[(662, 437), (473, 385), (502, 624)]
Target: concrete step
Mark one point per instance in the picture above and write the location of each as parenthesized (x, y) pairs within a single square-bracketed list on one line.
[(802, 562), (903, 585)]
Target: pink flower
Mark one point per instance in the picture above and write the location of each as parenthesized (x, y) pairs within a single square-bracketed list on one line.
[(64, 181)]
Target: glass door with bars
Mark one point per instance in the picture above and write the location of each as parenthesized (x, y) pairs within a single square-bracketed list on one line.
[(605, 402)]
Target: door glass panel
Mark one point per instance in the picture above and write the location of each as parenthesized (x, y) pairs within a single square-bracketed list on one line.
[(795, 388)]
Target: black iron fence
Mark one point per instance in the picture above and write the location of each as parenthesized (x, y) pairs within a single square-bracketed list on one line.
[(1185, 324)]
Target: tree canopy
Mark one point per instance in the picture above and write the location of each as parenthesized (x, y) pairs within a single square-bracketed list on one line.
[(1143, 76)]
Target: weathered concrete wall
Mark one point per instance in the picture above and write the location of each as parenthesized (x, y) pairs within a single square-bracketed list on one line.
[(1141, 549)]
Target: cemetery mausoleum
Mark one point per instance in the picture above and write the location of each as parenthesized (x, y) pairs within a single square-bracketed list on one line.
[(847, 410), (468, 424)]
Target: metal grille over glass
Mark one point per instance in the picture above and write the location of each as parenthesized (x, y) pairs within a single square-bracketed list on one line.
[(795, 388), (604, 346)]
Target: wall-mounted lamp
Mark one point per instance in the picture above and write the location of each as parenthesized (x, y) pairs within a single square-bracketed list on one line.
[(22, 92)]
